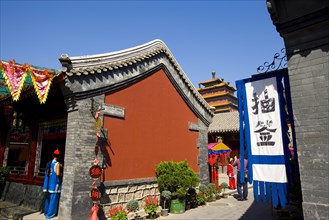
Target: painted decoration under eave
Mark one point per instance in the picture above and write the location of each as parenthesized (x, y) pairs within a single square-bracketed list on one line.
[(15, 76)]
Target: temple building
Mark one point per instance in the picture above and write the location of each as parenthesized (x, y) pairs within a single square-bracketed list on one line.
[(219, 94), (224, 128), (125, 111)]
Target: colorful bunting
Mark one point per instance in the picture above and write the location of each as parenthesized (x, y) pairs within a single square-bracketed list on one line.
[(15, 76), (41, 80)]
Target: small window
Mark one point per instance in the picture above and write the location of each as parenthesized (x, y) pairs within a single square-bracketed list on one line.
[(18, 151), (52, 135)]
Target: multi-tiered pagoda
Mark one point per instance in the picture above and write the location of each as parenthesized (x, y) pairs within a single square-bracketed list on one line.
[(219, 94)]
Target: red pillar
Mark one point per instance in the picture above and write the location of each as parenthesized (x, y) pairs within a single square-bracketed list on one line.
[(33, 150), (3, 139)]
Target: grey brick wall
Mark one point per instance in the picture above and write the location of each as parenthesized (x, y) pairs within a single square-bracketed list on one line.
[(309, 88), (308, 73), (75, 202), (203, 153), (306, 36)]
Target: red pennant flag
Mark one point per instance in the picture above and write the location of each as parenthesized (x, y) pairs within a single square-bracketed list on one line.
[(41, 80), (14, 76)]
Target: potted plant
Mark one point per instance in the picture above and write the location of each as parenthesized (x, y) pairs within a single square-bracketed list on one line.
[(191, 201), (176, 177), (202, 188), (206, 193), (211, 192), (177, 204), (166, 197), (218, 191), (203, 191), (224, 186), (118, 213), (151, 206), (200, 199), (132, 206)]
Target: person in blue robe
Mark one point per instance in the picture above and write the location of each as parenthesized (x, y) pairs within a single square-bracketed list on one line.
[(52, 186)]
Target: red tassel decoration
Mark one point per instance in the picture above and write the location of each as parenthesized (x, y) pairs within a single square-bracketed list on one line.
[(93, 213)]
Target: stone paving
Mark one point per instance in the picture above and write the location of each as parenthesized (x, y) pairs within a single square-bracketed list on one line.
[(228, 209)]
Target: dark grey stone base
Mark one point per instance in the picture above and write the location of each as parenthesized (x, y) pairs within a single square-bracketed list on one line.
[(18, 200)]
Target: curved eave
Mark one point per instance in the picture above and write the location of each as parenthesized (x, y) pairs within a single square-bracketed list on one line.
[(224, 110), (224, 131), (222, 84), (219, 95), (224, 104), (210, 81), (96, 64)]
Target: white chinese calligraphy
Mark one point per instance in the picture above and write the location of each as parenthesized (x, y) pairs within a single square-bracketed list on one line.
[(264, 117)]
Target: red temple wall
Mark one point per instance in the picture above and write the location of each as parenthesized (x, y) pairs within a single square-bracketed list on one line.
[(155, 129)]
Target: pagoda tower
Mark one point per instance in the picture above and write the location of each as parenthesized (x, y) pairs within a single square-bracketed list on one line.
[(219, 94)]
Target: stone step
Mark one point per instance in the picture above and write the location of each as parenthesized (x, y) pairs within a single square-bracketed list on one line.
[(13, 211)]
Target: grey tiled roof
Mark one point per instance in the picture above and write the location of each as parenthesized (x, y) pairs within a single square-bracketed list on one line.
[(225, 122), (99, 63), (96, 64)]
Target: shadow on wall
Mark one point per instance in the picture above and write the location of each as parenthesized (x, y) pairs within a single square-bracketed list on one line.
[(105, 199), (102, 144)]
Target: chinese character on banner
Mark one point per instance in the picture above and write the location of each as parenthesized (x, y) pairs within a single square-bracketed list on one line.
[(264, 117), (265, 133)]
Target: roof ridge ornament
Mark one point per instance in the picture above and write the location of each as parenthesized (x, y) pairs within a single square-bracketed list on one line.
[(279, 62)]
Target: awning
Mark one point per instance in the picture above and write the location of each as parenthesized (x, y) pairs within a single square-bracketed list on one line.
[(219, 148), (211, 145)]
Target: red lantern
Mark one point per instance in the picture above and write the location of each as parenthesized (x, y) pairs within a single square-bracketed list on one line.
[(95, 171), (95, 194)]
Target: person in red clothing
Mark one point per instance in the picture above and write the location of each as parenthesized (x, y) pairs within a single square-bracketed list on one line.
[(230, 173)]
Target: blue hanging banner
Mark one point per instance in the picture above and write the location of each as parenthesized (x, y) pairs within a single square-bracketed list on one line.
[(264, 136)]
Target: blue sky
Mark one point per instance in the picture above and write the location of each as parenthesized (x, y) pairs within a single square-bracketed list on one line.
[(232, 37)]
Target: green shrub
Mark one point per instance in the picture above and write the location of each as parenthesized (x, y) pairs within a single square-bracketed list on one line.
[(4, 171), (132, 205), (218, 189), (118, 213), (191, 197), (176, 177), (212, 188), (180, 193), (202, 188), (119, 216), (200, 198), (224, 186), (151, 205), (211, 191), (166, 195)]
